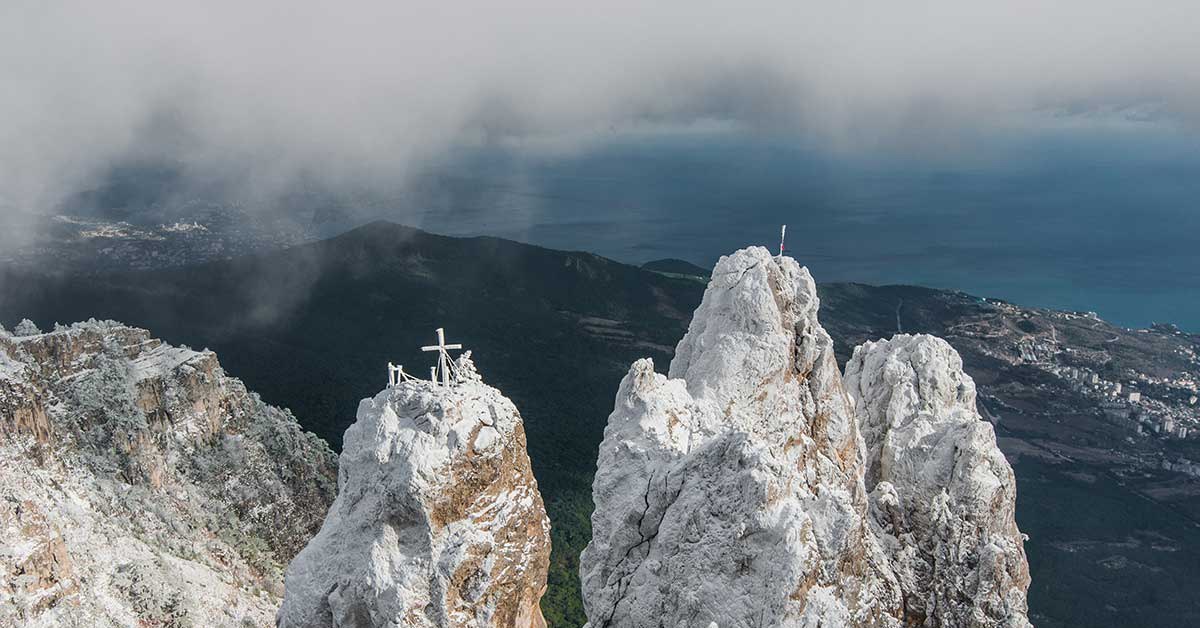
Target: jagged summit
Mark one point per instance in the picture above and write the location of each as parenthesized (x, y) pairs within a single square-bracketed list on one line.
[(143, 485), (755, 348), (942, 494), (733, 492), (438, 520)]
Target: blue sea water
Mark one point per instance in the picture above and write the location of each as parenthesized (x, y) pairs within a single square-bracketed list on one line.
[(1102, 218)]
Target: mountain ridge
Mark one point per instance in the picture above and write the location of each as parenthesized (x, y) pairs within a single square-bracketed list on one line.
[(142, 483)]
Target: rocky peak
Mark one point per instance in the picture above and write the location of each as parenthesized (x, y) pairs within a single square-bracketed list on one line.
[(942, 495), (731, 493), (144, 484), (735, 491), (438, 520)]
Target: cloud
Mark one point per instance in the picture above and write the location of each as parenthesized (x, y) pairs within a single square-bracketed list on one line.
[(365, 90)]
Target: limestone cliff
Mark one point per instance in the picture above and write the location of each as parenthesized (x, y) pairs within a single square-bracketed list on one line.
[(942, 494), (734, 492), (731, 493), (143, 486), (438, 520)]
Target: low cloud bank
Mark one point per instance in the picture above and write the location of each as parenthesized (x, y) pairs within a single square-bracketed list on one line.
[(350, 93)]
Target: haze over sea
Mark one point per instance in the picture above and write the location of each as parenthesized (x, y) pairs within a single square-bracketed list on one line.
[(1098, 215)]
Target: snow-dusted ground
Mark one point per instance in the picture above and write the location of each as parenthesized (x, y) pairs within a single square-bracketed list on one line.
[(144, 486)]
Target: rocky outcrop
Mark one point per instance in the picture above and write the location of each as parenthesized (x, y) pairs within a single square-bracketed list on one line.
[(942, 494), (734, 491), (731, 493), (438, 520), (144, 486)]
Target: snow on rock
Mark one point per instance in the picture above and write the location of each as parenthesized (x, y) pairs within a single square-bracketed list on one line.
[(739, 490), (942, 494), (731, 494), (437, 522), (144, 486)]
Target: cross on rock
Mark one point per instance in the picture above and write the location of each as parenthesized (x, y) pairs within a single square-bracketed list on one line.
[(443, 364), (446, 368)]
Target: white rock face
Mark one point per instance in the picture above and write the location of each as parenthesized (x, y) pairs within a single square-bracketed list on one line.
[(732, 493), (437, 522), (942, 494), (142, 486)]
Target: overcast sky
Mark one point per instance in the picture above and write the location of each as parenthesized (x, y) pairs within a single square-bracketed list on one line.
[(375, 88)]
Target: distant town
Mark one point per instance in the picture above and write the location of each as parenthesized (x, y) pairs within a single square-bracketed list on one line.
[(1144, 382)]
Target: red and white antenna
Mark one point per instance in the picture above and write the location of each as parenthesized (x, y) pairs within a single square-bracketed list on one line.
[(782, 234)]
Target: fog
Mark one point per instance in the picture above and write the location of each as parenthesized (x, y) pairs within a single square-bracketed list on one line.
[(351, 93)]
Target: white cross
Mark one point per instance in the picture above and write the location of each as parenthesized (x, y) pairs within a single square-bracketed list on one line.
[(782, 233), (443, 357)]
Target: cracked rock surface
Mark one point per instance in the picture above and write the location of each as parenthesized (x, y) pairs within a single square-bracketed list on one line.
[(140, 485), (734, 493), (437, 522), (942, 495)]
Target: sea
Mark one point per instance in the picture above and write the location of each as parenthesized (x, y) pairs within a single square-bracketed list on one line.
[(1091, 216)]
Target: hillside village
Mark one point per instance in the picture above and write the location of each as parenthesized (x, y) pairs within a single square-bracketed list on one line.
[(1145, 383)]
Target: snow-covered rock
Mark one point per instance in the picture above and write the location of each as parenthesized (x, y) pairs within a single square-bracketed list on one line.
[(731, 494), (143, 486), (437, 522), (942, 494), (735, 491)]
